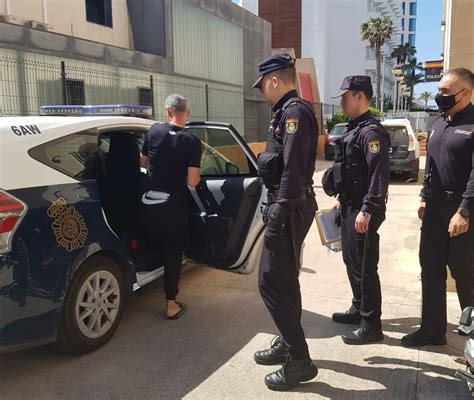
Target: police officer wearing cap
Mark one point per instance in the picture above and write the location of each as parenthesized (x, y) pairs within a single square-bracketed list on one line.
[(286, 167), (447, 232), (360, 178)]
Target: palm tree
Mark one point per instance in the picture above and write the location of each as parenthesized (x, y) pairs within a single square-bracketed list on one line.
[(426, 96), (403, 53), (412, 78), (377, 31)]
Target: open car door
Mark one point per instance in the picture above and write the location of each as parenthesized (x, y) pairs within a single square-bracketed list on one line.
[(225, 211)]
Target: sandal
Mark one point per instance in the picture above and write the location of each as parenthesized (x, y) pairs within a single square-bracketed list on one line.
[(181, 312)]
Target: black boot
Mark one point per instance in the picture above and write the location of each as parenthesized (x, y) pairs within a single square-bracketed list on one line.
[(422, 337), (276, 354), (363, 334), (347, 317), (291, 373)]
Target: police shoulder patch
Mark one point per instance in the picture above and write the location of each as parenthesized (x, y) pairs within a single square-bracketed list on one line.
[(374, 146), (291, 126)]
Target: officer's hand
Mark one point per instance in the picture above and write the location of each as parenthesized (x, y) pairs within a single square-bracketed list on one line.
[(421, 210), (362, 223), (337, 206), (458, 225)]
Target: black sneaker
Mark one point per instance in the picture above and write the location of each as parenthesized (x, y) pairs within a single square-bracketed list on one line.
[(291, 374), (276, 354), (421, 338), (347, 318)]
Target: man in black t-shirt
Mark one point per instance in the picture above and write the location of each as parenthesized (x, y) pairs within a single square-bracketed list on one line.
[(172, 157)]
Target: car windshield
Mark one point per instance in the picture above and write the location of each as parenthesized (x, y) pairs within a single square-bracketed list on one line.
[(398, 134), (338, 130)]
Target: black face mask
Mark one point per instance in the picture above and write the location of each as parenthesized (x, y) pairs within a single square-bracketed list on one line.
[(445, 103)]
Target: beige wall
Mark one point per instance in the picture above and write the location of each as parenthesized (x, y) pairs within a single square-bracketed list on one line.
[(68, 17)]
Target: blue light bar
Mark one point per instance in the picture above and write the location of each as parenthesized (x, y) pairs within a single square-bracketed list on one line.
[(98, 110)]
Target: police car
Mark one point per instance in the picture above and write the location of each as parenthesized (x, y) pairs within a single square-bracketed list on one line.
[(70, 248)]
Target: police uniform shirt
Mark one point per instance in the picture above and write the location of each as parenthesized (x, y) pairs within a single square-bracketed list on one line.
[(374, 142), (170, 150), (450, 159), (297, 131)]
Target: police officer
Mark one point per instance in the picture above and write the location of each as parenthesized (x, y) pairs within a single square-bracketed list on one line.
[(172, 157), (286, 167), (447, 235), (361, 175)]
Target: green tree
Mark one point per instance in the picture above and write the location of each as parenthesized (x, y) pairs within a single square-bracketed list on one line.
[(425, 97), (377, 31), (413, 77), (402, 54), (337, 118)]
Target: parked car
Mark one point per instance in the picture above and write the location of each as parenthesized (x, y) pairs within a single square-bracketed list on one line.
[(405, 149), (336, 133), (70, 248)]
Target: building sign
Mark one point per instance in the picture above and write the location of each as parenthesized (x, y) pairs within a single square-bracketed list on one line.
[(433, 70)]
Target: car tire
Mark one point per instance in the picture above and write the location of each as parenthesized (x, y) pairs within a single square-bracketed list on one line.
[(93, 306)]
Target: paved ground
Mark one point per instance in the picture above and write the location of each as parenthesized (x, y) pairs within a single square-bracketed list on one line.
[(208, 353)]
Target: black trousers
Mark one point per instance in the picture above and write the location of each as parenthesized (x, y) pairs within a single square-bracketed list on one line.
[(278, 276), (165, 226), (438, 250), (363, 274)]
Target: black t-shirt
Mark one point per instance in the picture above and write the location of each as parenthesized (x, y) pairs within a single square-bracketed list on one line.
[(170, 150)]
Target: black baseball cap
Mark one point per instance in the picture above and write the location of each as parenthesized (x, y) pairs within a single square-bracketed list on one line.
[(360, 83), (274, 63)]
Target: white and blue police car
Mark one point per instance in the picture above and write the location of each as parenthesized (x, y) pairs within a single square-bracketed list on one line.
[(70, 245)]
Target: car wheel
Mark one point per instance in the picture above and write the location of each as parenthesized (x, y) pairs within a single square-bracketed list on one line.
[(93, 306)]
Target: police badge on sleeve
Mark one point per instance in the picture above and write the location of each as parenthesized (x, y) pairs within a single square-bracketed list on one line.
[(374, 147), (291, 126)]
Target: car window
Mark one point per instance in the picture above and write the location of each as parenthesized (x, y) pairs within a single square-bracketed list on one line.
[(338, 130), (74, 155), (398, 134), (221, 153)]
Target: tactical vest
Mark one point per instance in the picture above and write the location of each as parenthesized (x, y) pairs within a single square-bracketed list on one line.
[(351, 172), (270, 162)]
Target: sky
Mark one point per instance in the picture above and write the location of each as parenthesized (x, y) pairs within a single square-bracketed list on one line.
[(428, 38)]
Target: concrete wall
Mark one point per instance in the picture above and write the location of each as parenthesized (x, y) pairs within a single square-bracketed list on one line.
[(69, 18)]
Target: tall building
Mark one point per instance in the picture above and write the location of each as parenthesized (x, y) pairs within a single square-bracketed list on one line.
[(408, 22), (329, 32)]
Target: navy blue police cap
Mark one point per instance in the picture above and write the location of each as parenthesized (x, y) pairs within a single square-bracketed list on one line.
[(274, 63), (360, 83)]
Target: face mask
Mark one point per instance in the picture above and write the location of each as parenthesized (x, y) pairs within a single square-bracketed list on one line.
[(445, 103)]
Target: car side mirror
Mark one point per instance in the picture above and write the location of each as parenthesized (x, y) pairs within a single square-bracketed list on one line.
[(231, 168)]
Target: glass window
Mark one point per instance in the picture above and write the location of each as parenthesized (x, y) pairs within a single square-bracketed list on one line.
[(412, 25), (402, 40), (411, 39), (403, 24), (74, 155), (412, 8), (403, 8), (221, 153), (99, 12), (144, 96)]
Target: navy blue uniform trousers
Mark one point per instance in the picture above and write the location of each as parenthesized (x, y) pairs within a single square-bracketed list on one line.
[(438, 250), (278, 278), (363, 274)]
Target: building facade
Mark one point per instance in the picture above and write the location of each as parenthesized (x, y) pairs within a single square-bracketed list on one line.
[(330, 33), (408, 22), (458, 29), (135, 51)]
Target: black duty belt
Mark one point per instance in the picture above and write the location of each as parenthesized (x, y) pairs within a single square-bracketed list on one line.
[(444, 194), (273, 195)]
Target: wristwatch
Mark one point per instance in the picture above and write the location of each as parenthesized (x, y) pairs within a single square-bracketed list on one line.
[(464, 212), (365, 214)]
